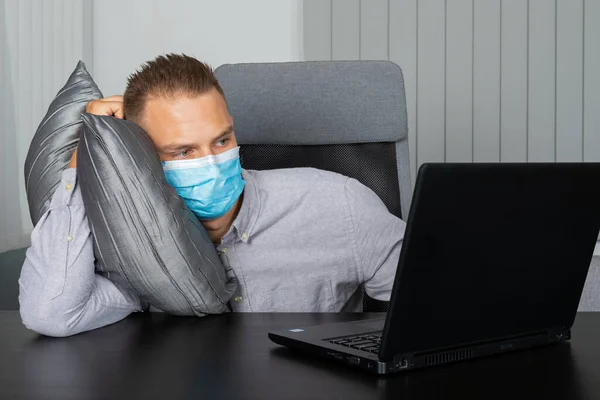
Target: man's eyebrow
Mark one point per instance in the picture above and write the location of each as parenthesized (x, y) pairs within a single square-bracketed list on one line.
[(177, 146), (226, 132)]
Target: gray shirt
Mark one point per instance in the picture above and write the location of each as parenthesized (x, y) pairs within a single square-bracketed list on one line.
[(305, 240)]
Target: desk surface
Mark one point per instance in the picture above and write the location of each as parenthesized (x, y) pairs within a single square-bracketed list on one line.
[(155, 356)]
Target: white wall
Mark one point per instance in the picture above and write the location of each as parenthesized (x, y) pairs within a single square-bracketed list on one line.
[(494, 80), (40, 44), (127, 33)]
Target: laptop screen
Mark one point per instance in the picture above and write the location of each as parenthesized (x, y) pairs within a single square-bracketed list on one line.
[(493, 250)]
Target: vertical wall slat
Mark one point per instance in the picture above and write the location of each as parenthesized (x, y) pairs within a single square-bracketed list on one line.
[(403, 51), (87, 34), (345, 30), (317, 32), (78, 32), (37, 73), (374, 30), (542, 81), (57, 46), (513, 67), (486, 81), (24, 98), (69, 31), (3, 57), (430, 98), (591, 122), (569, 81), (459, 80), (47, 51)]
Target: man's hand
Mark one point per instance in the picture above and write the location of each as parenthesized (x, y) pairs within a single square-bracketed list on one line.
[(111, 106)]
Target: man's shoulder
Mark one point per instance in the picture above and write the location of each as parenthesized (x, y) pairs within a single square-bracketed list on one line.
[(336, 190), (298, 178)]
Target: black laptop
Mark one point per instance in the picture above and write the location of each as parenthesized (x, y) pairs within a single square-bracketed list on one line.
[(494, 259)]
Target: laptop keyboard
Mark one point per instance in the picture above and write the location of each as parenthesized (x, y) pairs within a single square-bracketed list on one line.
[(369, 342)]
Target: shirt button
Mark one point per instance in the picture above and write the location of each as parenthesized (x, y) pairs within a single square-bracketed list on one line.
[(237, 299), (245, 236), (69, 186), (224, 250), (69, 238)]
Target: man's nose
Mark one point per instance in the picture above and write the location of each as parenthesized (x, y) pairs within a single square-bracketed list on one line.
[(204, 152)]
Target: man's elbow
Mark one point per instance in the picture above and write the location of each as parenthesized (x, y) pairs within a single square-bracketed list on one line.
[(44, 321), (45, 327), (57, 319)]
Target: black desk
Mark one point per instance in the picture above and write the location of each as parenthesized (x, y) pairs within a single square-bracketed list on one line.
[(230, 357)]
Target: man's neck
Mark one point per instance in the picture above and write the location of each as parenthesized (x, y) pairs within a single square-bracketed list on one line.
[(217, 228)]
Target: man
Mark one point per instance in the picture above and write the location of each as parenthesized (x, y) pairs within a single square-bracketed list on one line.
[(297, 239)]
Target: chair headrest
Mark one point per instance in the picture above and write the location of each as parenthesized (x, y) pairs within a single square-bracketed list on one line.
[(315, 102)]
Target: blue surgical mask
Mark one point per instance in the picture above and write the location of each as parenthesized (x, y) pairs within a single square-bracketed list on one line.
[(210, 185)]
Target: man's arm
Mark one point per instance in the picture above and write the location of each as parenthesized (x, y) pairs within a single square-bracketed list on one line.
[(378, 237), (59, 292)]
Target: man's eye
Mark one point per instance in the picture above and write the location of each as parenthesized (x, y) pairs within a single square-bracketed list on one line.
[(222, 142), (183, 153)]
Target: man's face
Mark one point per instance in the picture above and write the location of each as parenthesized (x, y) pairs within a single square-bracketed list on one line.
[(189, 127)]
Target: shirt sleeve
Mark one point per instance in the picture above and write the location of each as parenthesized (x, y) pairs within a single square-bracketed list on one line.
[(59, 292), (378, 237)]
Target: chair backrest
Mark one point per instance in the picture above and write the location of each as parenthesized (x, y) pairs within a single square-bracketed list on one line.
[(343, 116)]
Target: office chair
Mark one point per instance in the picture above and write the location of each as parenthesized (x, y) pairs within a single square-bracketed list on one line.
[(347, 117), (10, 269)]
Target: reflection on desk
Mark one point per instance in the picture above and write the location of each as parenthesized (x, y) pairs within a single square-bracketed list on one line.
[(156, 356)]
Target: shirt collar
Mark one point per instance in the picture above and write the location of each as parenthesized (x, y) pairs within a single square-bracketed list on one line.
[(243, 224)]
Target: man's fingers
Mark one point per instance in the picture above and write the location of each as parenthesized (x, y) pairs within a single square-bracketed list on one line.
[(105, 107), (120, 114), (112, 98), (110, 108)]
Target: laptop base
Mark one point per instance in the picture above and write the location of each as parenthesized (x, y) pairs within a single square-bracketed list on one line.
[(403, 362)]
